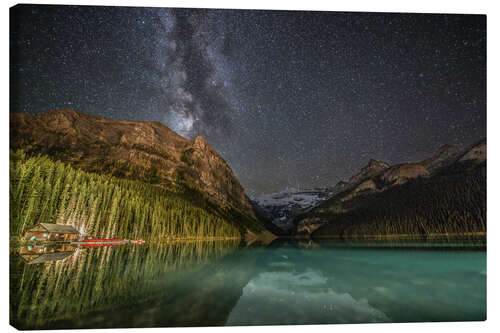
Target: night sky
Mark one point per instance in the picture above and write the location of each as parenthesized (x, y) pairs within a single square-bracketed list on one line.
[(289, 99)]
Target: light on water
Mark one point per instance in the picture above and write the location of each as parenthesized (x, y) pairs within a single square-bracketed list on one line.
[(222, 283)]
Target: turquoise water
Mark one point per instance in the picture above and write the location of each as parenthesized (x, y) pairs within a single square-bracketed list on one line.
[(224, 283)]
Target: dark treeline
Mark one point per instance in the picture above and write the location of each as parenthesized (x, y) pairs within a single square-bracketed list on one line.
[(450, 203), (42, 190)]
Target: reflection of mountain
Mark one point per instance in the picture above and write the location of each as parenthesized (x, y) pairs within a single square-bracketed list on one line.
[(335, 283), (325, 306), (206, 297), (79, 291), (217, 283)]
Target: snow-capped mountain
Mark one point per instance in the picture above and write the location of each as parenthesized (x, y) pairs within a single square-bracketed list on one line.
[(303, 198), (281, 207)]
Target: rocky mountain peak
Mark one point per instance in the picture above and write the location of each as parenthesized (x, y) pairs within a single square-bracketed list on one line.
[(399, 174), (376, 164), (476, 154), (447, 149), (373, 168), (68, 113), (445, 155), (146, 151), (200, 142)]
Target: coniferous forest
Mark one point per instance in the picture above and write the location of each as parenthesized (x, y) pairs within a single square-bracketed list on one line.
[(452, 203), (200, 167), (42, 190)]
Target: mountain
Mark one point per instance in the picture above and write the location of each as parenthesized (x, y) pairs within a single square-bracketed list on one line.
[(445, 156), (281, 207), (145, 151), (476, 154), (373, 168), (443, 194)]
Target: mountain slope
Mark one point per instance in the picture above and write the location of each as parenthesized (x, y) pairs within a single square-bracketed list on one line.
[(145, 151), (123, 179), (444, 194), (101, 205), (444, 157), (373, 168), (281, 207)]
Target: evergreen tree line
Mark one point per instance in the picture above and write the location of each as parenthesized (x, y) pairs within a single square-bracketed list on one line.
[(101, 205), (446, 204)]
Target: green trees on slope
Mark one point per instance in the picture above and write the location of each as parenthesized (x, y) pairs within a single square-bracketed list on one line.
[(451, 203), (42, 190)]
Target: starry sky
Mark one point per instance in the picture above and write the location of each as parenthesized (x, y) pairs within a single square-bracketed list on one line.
[(288, 98)]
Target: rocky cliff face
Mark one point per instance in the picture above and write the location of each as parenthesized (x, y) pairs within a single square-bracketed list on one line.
[(146, 151), (377, 176), (476, 154), (373, 168), (399, 174), (445, 156)]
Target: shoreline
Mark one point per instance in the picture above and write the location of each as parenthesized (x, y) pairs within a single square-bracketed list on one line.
[(464, 236)]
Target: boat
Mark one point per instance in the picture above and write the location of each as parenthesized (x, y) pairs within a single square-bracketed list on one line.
[(98, 242), (102, 244), (107, 240)]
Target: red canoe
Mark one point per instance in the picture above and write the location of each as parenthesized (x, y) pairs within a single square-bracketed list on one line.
[(94, 240), (102, 244)]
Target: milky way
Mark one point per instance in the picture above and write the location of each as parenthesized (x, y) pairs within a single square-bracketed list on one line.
[(289, 99)]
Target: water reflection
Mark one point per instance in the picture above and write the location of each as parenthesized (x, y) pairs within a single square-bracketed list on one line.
[(299, 298), (42, 253), (334, 282), (220, 283), (61, 293)]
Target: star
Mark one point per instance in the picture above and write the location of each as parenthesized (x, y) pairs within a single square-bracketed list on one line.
[(298, 99)]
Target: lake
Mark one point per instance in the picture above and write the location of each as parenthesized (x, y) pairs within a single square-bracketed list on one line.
[(225, 283)]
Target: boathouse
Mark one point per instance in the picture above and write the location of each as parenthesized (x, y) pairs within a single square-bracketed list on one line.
[(45, 257), (52, 232)]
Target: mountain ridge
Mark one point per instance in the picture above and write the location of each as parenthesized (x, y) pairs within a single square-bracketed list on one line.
[(140, 150), (448, 161), (285, 207)]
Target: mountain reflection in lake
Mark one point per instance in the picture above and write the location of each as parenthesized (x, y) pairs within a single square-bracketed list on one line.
[(221, 283)]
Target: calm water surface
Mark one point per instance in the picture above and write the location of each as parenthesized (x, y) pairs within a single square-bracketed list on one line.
[(223, 283)]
